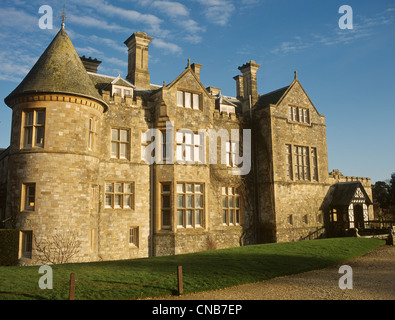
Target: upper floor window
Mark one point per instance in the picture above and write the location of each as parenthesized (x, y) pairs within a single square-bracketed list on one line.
[(33, 128), (188, 100), (299, 114), (190, 147), (301, 163), (92, 133), (119, 195), (29, 196), (122, 91), (120, 143)]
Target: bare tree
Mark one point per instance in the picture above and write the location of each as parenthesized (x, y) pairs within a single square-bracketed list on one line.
[(57, 249)]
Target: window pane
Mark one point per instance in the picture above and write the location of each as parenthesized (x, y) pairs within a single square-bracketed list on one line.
[(198, 217), (180, 218), (231, 212), (198, 201), (189, 201), (127, 188), (40, 135), (237, 216), (180, 98), (117, 201), (165, 187), (123, 150), (109, 187), (180, 201), (108, 201), (114, 150), (28, 136), (189, 188), (196, 101), (180, 188), (165, 218), (124, 135), (198, 188), (224, 202), (237, 202), (189, 217), (29, 118), (230, 202), (40, 117), (114, 135), (118, 187), (165, 201), (188, 102), (127, 201), (224, 216)]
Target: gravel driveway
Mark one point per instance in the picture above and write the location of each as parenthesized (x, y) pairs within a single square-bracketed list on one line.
[(373, 279)]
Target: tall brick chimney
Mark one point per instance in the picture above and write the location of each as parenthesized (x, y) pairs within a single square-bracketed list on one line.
[(250, 86), (138, 73)]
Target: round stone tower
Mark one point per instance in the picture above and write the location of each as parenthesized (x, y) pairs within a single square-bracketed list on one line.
[(54, 159)]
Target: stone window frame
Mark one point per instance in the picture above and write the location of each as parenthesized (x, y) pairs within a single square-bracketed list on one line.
[(92, 133), (190, 215), (26, 197), (134, 236), (166, 205), (194, 142), (298, 114), (119, 142), (231, 206), (113, 194), (26, 241), (195, 100), (305, 162), (30, 128)]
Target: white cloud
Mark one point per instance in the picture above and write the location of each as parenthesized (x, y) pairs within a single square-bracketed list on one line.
[(172, 9), (218, 11), (89, 21), (167, 46)]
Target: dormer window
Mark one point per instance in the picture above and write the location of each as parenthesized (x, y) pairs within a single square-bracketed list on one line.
[(122, 91), (188, 100)]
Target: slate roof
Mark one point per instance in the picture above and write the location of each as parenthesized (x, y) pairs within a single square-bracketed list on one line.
[(344, 193), (271, 97), (58, 70)]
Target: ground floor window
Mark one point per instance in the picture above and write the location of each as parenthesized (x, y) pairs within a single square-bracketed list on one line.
[(230, 206), (190, 204), (134, 236), (27, 243)]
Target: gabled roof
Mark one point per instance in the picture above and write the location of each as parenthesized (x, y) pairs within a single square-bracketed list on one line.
[(58, 70), (275, 97), (189, 69), (345, 191)]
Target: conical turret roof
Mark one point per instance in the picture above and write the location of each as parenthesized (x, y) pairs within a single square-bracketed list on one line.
[(58, 70)]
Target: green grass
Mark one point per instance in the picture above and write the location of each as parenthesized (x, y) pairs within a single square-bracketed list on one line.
[(208, 270)]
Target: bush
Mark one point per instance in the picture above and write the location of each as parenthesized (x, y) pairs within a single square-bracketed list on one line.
[(9, 246)]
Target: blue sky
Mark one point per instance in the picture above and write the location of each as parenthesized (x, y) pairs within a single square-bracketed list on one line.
[(348, 74)]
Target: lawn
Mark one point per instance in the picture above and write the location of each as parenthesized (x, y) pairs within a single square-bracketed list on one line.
[(208, 270)]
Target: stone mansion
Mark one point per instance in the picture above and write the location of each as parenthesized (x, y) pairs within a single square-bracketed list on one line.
[(77, 161)]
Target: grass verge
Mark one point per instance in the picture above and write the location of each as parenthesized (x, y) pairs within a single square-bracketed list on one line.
[(208, 270)]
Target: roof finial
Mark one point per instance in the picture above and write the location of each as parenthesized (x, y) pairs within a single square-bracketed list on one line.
[(189, 63), (63, 16), (296, 75)]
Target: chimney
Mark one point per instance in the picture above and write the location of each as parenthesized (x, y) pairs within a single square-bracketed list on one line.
[(138, 73), (90, 64), (239, 87), (249, 71), (196, 68)]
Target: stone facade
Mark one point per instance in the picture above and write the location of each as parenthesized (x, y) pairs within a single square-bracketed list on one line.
[(86, 171)]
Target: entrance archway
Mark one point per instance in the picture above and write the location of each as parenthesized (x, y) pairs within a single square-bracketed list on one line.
[(358, 216)]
